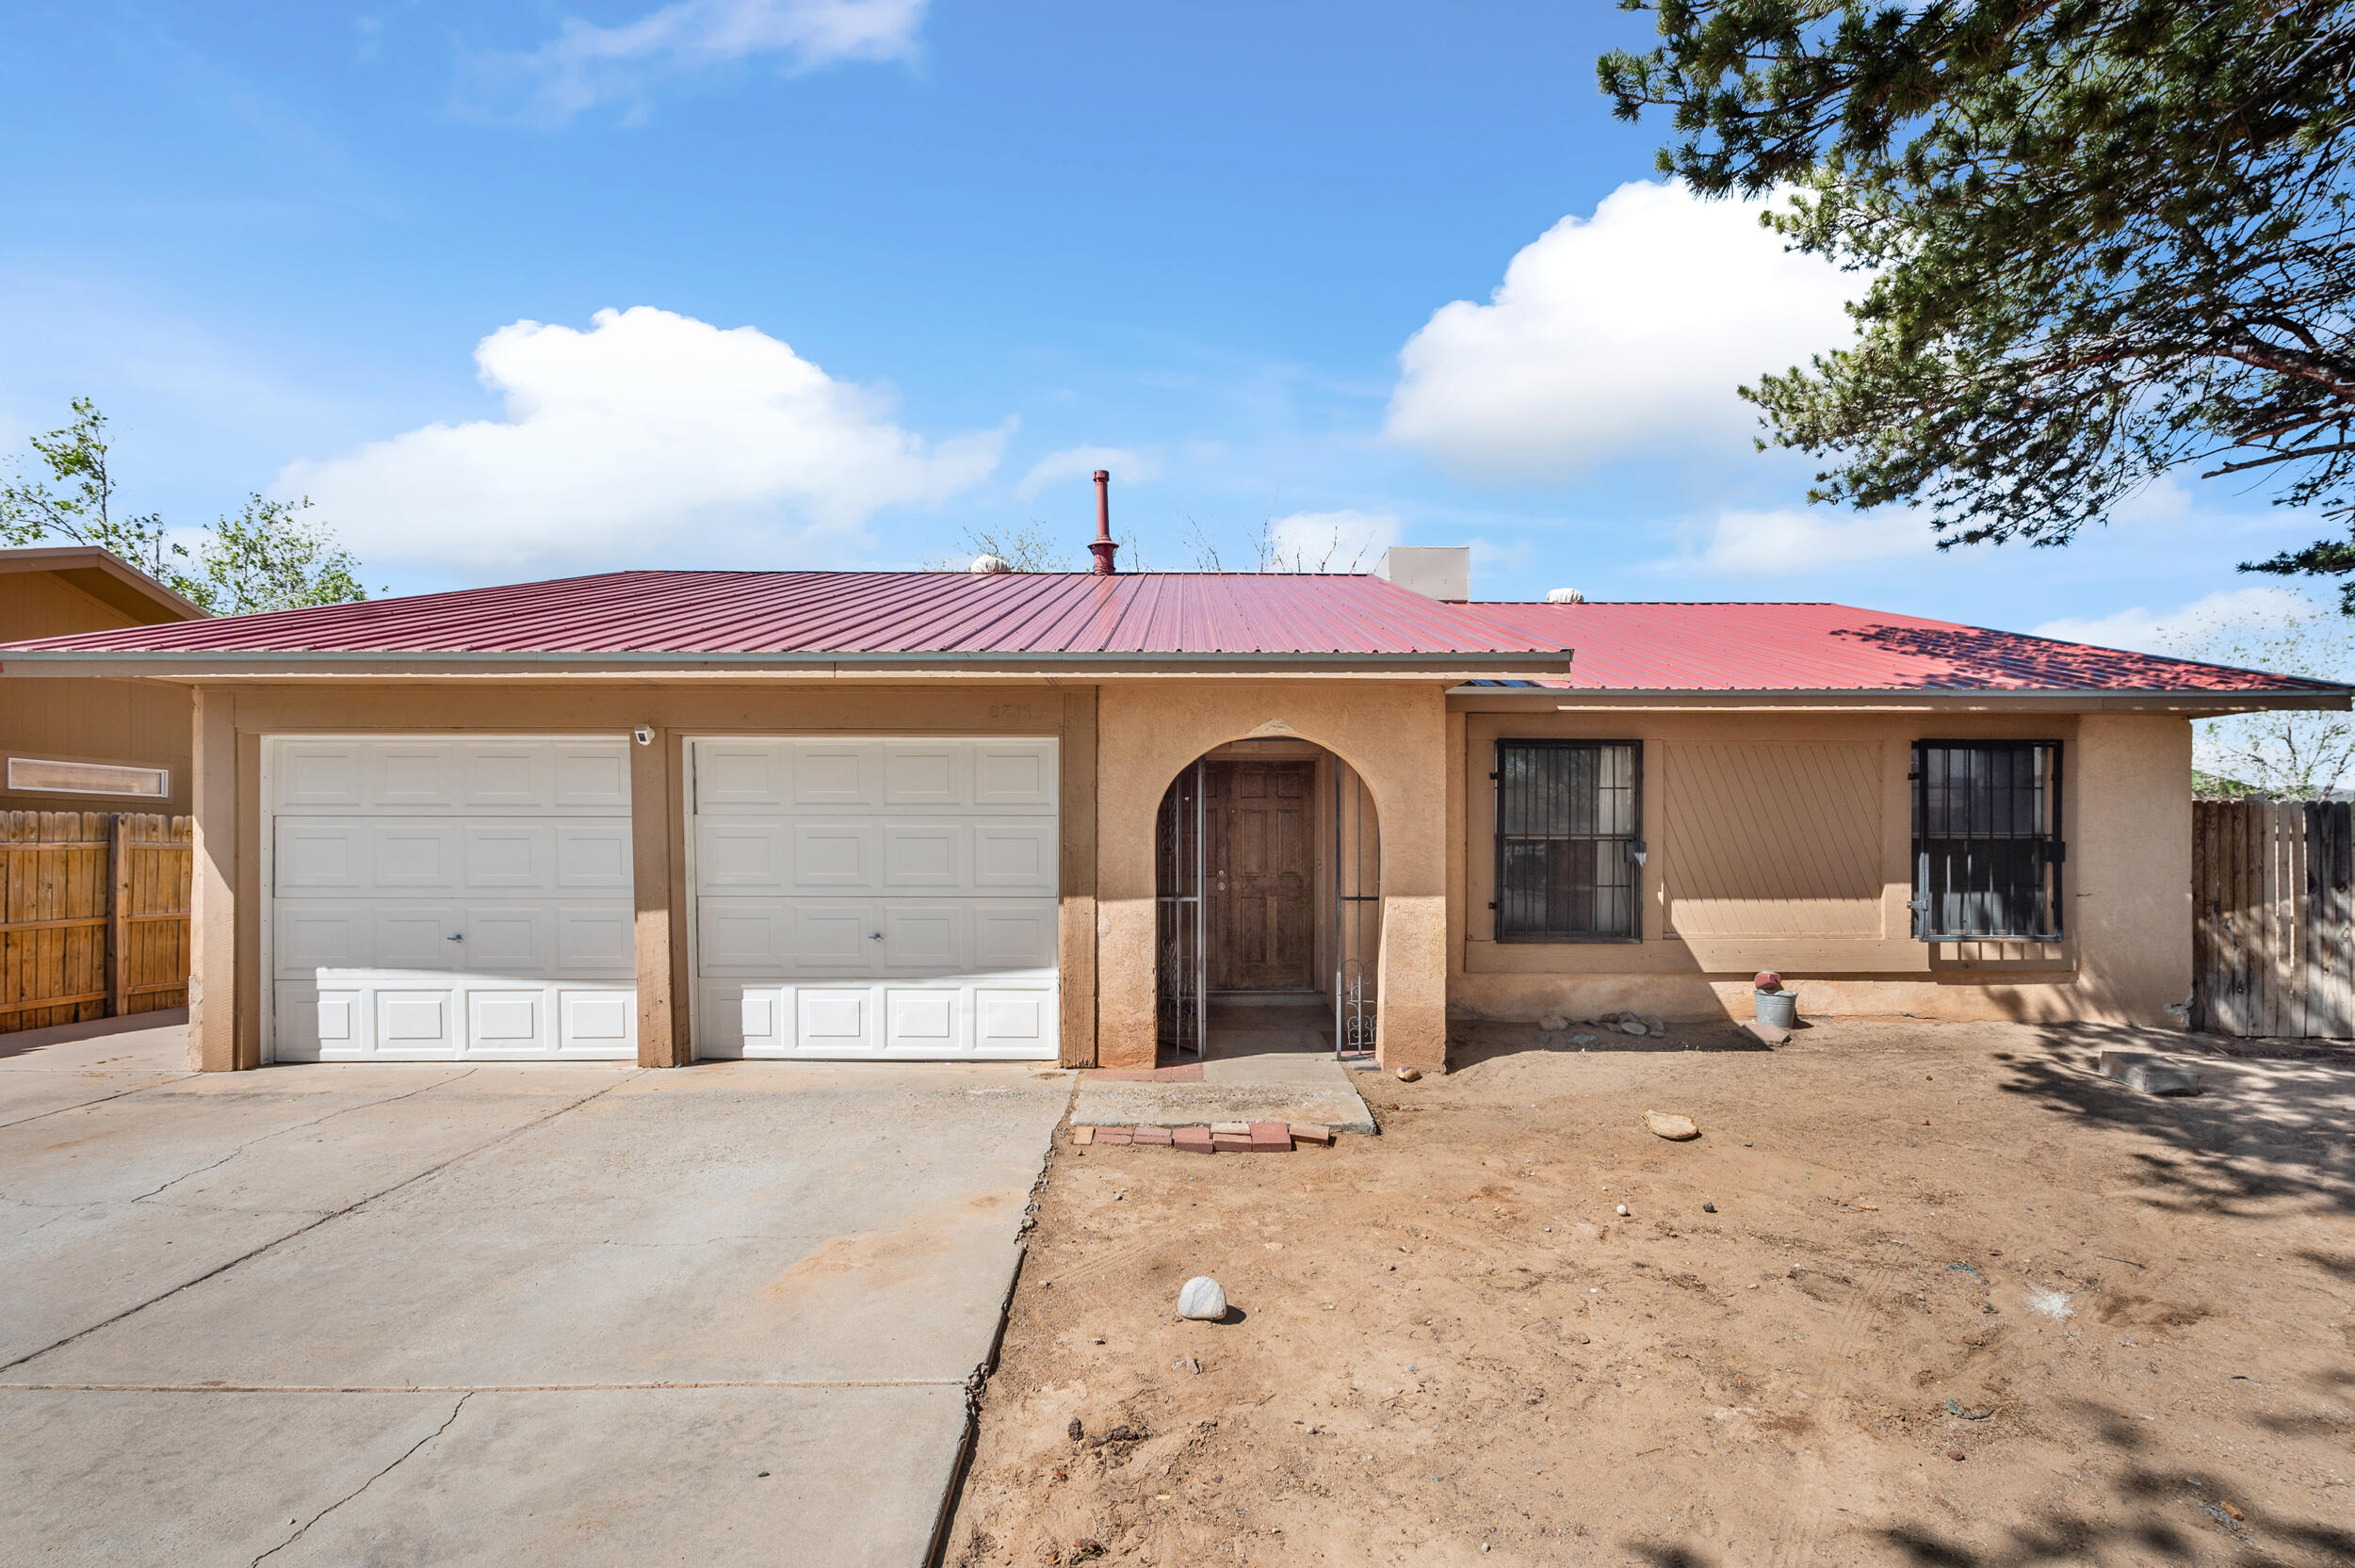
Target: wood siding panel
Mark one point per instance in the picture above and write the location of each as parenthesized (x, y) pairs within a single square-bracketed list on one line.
[(2273, 931), (1773, 839), (93, 915)]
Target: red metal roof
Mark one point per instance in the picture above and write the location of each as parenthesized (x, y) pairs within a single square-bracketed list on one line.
[(862, 612), (1815, 647), (1138, 617)]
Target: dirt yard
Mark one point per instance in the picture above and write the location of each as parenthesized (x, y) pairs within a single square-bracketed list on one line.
[(1960, 1300)]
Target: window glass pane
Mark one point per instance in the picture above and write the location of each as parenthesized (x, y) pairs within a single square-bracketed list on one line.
[(86, 778), (1988, 851), (1567, 818)]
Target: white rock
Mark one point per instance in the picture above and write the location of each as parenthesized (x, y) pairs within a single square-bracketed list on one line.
[(1203, 1299), (1671, 1126), (1633, 1026), (1553, 1023), (1621, 1210)]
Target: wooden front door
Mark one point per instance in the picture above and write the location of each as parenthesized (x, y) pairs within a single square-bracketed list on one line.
[(1263, 866)]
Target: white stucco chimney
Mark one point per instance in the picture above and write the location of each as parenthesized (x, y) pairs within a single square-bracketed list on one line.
[(1436, 571)]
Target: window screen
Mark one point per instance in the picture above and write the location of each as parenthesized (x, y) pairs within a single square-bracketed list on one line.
[(1568, 820), (1986, 840)]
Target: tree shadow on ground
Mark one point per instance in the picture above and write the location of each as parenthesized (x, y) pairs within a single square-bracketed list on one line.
[(2262, 1131), (1472, 1042)]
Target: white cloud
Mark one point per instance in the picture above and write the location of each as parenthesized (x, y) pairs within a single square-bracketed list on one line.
[(1081, 462), (585, 65), (1330, 541), (1788, 541), (648, 437), (1622, 332), (2199, 625)]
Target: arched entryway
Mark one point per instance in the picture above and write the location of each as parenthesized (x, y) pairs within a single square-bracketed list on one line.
[(1267, 904)]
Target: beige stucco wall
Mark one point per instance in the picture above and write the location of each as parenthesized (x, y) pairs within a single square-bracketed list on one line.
[(1738, 806), (134, 724), (2126, 799), (1393, 733), (225, 992)]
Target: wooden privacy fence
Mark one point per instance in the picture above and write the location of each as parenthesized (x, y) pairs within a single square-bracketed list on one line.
[(2273, 943), (93, 914)]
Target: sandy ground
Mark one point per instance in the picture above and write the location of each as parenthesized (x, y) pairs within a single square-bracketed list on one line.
[(1450, 1349)]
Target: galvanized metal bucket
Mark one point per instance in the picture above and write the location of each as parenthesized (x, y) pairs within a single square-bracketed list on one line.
[(1778, 1009)]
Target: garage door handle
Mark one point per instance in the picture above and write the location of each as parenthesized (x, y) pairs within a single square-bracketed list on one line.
[(874, 936), (461, 937)]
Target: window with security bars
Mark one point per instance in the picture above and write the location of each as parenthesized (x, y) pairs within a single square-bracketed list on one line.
[(1986, 840), (1568, 825)]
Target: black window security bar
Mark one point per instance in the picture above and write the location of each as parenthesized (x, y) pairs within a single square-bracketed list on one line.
[(1569, 819), (1986, 840)]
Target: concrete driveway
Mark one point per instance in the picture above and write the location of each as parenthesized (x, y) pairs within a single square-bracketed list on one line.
[(448, 1314)]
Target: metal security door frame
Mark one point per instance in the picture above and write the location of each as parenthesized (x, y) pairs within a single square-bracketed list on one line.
[(1181, 947), (1356, 1002)]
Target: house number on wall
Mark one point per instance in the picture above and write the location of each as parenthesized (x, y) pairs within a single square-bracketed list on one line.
[(1012, 713)]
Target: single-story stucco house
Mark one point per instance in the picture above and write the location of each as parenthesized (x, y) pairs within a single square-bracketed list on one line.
[(662, 815)]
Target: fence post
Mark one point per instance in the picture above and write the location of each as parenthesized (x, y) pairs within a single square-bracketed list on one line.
[(118, 922)]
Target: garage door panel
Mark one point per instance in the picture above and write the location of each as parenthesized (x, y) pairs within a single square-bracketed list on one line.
[(927, 854), (1014, 935), (509, 857), (591, 778), (743, 855), (834, 1020), (742, 936), (514, 1023), (926, 773), (1015, 1022), (491, 776), (319, 776), (415, 857), (832, 937), (595, 940), (516, 939), (409, 775), (322, 936), (1014, 856), (837, 773), (749, 775), (416, 1023), (835, 855), (600, 1023), (593, 857), (414, 936), (1014, 773), (927, 1021), (320, 857), (935, 938)]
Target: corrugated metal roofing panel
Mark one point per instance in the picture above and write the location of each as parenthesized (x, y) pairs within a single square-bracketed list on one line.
[(1821, 647), (1613, 646), (863, 612)]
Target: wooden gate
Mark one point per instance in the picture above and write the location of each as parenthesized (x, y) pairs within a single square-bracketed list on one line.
[(93, 914), (2273, 941)]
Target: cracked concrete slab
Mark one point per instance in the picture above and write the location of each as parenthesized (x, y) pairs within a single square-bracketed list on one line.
[(563, 1248), (44, 1070)]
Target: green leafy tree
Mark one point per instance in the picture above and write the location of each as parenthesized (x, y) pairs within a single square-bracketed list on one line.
[(2097, 240), (269, 556)]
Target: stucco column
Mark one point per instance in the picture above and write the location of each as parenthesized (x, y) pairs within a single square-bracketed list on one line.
[(212, 1040), (2128, 876), (1393, 733)]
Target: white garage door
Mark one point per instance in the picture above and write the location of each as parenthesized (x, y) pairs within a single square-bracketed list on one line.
[(438, 898), (875, 898)]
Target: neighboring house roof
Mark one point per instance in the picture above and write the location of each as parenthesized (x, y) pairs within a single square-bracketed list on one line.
[(1156, 622), (105, 578), (1817, 647)]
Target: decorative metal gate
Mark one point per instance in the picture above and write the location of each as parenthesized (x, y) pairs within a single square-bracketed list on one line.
[(1356, 913), (1180, 915)]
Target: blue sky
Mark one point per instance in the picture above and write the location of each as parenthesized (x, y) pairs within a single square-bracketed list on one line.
[(876, 272)]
